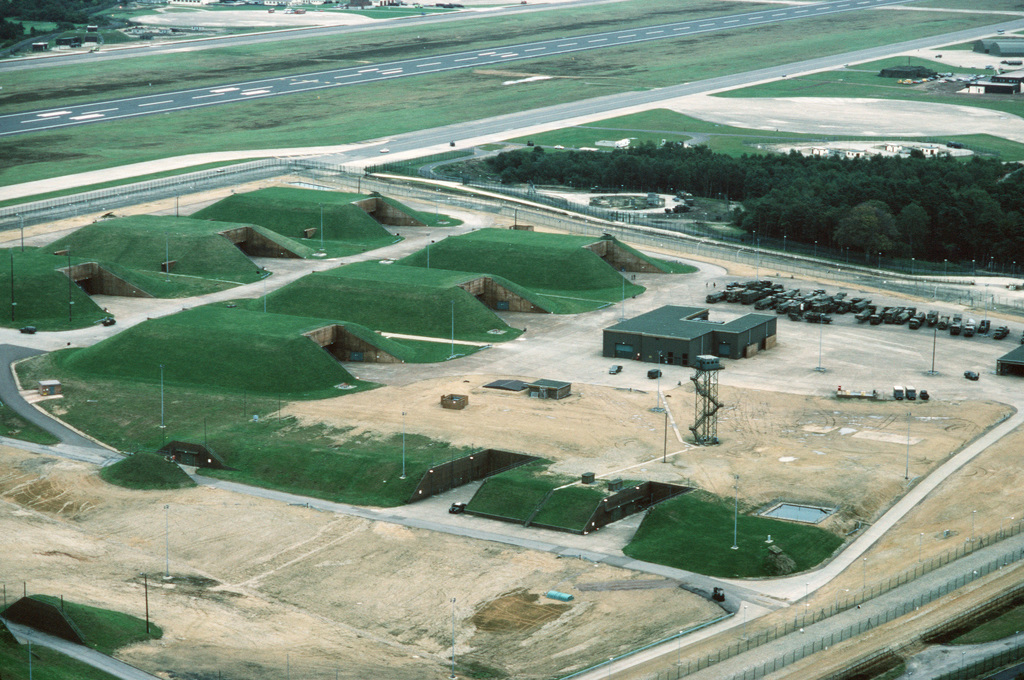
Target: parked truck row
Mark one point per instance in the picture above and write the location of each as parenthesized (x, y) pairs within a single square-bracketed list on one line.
[(817, 306)]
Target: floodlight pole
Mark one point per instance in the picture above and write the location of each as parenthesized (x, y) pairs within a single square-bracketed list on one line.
[(935, 338), (452, 676), (453, 328), (145, 584), (403, 446), (162, 426), (736, 513), (321, 226), (71, 282), (13, 303), (167, 257), (622, 316), (906, 473), (821, 329), (167, 543), (22, 222)]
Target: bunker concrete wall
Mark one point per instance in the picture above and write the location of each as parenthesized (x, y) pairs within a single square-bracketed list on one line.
[(387, 214), (491, 293), (95, 280), (341, 344), (620, 258)]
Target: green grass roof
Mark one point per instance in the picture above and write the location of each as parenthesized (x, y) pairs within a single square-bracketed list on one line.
[(41, 292), (146, 471), (216, 346), (554, 265), (392, 298), (290, 211), (136, 247)]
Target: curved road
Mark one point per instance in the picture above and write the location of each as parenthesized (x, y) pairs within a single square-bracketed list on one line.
[(81, 114)]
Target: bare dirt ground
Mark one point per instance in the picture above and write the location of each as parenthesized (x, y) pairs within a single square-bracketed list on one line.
[(257, 586), (794, 447)]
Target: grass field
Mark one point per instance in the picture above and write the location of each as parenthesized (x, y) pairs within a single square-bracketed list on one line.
[(146, 471), (347, 229), (570, 507), (352, 113), (204, 261), (41, 293), (104, 630), (695, 532), (392, 298), (1007, 624), (46, 664), (14, 426), (569, 277)]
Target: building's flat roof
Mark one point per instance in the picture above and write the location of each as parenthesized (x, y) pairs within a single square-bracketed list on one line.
[(556, 384), (1015, 356), (668, 321), (678, 322)]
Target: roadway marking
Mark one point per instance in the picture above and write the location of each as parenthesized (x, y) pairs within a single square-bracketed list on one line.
[(368, 70), (205, 96), (682, 28), (348, 75), (87, 116), (303, 82), (631, 35), (654, 32), (733, 21), (166, 101), (535, 49), (567, 44), (509, 55), (597, 40), (391, 72), (222, 90), (487, 54), (51, 114), (430, 63), (779, 14), (704, 25), (249, 93)]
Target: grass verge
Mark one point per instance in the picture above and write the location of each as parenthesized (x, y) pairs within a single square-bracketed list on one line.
[(15, 427), (105, 630), (695, 532)]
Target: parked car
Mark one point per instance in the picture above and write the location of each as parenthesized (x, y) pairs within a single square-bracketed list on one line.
[(971, 375), (457, 508), (923, 395), (615, 369), (654, 373), (109, 321), (28, 329)]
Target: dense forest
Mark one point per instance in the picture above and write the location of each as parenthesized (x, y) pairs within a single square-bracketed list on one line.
[(60, 11), (926, 208)]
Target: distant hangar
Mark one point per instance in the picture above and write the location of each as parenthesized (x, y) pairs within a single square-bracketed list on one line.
[(678, 335)]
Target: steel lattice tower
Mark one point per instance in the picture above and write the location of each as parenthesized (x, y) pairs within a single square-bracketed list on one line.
[(706, 404)]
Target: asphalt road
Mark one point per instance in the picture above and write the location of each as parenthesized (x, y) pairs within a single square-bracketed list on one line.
[(61, 117), (117, 669), (73, 445)]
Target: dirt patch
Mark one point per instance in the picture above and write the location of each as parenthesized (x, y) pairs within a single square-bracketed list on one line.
[(516, 612)]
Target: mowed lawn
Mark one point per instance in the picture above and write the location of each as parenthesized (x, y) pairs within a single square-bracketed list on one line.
[(695, 532)]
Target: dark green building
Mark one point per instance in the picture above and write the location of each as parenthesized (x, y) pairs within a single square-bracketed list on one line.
[(678, 335)]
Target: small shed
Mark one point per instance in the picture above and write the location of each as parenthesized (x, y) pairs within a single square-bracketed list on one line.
[(455, 402), (50, 387), (549, 389)]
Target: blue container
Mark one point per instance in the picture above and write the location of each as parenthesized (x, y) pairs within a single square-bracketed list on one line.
[(556, 595)]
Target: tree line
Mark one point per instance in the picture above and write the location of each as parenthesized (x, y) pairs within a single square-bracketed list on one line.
[(934, 208)]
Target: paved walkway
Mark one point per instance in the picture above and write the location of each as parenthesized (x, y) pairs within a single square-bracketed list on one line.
[(107, 664)]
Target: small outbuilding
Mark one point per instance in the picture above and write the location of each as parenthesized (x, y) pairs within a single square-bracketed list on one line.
[(1011, 363), (549, 389), (49, 388), (456, 402)]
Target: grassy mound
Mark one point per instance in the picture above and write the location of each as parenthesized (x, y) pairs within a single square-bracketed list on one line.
[(391, 298), (324, 463), (558, 267), (105, 630), (215, 346), (516, 493), (146, 471), (136, 247), (695, 532), (571, 507), (41, 292), (288, 211)]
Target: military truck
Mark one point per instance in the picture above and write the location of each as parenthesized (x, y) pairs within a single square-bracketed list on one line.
[(944, 322), (933, 318), (1000, 333)]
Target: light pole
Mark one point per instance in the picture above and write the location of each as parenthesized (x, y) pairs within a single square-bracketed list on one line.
[(912, 266), (452, 676), (453, 328), (973, 515), (167, 543), (879, 259), (821, 329), (744, 622), (783, 243), (162, 426), (21, 220), (736, 514), (935, 338), (906, 472), (815, 249), (145, 585), (945, 266), (403, 446), (622, 316), (321, 226), (679, 649), (864, 583), (920, 541), (167, 257)]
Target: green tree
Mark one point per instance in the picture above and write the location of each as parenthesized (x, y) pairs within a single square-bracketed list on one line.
[(913, 224), (868, 226)]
